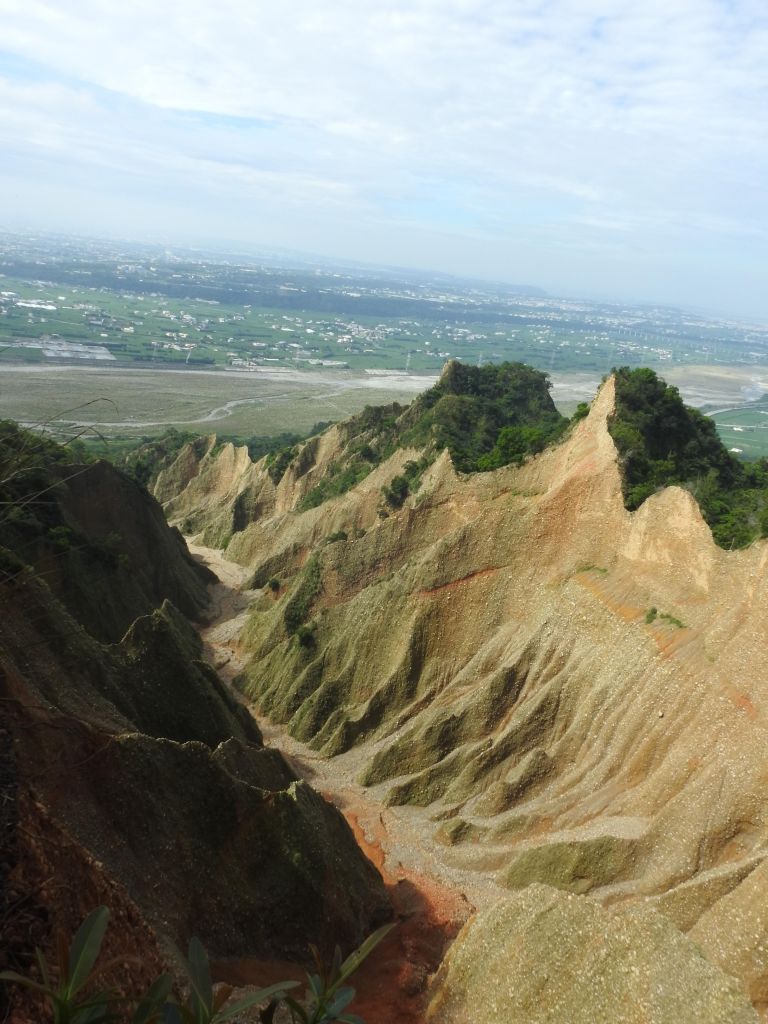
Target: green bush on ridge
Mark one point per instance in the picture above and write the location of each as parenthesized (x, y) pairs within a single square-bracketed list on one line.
[(661, 441)]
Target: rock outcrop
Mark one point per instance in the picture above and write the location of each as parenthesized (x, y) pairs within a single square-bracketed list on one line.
[(155, 770), (126, 762), (545, 956), (102, 544), (575, 694)]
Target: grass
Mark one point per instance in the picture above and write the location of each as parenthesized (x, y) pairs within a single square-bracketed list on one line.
[(745, 427), (300, 605), (653, 614), (136, 403)]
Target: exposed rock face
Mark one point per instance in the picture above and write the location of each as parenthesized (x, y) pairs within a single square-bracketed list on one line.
[(226, 496), (545, 956), (492, 648), (102, 544), (128, 770), (209, 833)]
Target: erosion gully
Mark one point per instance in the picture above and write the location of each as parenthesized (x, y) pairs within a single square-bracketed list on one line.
[(429, 905)]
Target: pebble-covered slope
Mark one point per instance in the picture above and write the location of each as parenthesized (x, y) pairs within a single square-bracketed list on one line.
[(545, 956), (574, 692)]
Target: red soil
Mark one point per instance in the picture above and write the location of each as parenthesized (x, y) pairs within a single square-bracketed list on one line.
[(391, 984), (463, 579)]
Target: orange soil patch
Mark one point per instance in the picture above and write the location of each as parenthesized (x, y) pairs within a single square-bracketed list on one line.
[(455, 583), (671, 639), (742, 701), (626, 612), (392, 982)]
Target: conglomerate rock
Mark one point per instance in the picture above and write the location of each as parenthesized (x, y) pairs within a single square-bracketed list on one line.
[(548, 957)]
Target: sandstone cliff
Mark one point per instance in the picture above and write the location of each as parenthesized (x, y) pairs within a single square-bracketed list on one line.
[(573, 693)]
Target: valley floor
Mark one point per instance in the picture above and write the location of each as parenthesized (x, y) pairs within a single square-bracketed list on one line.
[(431, 900)]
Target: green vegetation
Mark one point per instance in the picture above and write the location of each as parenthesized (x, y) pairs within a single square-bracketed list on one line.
[(142, 459), (397, 491), (142, 462), (341, 478), (406, 483), (485, 416), (91, 301), (68, 987), (278, 461), (327, 998), (31, 469), (653, 614), (306, 635), (743, 428), (300, 604), (581, 412), (661, 441)]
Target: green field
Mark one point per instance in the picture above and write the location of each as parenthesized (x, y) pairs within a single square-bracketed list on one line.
[(134, 339), (745, 427), (136, 403), (170, 331), (125, 308)]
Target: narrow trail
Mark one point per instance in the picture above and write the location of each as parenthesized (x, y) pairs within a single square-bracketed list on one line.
[(429, 905)]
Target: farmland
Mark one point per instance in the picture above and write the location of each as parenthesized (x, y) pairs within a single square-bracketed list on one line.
[(134, 338), (128, 305)]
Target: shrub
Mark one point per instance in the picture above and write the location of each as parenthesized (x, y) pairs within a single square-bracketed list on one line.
[(582, 411), (326, 998), (397, 491), (299, 606), (661, 441), (306, 635)]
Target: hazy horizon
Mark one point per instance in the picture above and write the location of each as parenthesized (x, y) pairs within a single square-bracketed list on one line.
[(618, 158)]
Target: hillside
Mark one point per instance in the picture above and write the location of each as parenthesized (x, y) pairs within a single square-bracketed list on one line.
[(129, 771), (483, 417), (98, 539), (548, 673), (561, 689), (663, 442)]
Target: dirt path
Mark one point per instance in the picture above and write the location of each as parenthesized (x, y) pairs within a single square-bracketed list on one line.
[(228, 611), (430, 903)]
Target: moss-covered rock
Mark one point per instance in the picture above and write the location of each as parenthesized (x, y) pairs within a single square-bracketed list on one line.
[(578, 865)]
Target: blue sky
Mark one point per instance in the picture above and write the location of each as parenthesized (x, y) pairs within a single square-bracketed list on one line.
[(614, 149)]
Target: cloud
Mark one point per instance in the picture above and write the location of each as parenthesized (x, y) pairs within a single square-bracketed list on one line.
[(518, 118)]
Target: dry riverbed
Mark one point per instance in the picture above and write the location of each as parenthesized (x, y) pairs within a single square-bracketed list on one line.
[(430, 901)]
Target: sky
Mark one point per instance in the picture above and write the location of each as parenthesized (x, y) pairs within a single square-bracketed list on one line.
[(613, 149)]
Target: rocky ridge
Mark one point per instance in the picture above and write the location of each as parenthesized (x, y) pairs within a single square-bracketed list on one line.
[(572, 693), (131, 772)]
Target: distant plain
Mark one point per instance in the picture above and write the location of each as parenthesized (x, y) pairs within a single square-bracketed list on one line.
[(132, 340), (133, 402)]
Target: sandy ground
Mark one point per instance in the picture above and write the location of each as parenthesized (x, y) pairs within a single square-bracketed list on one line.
[(430, 900)]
